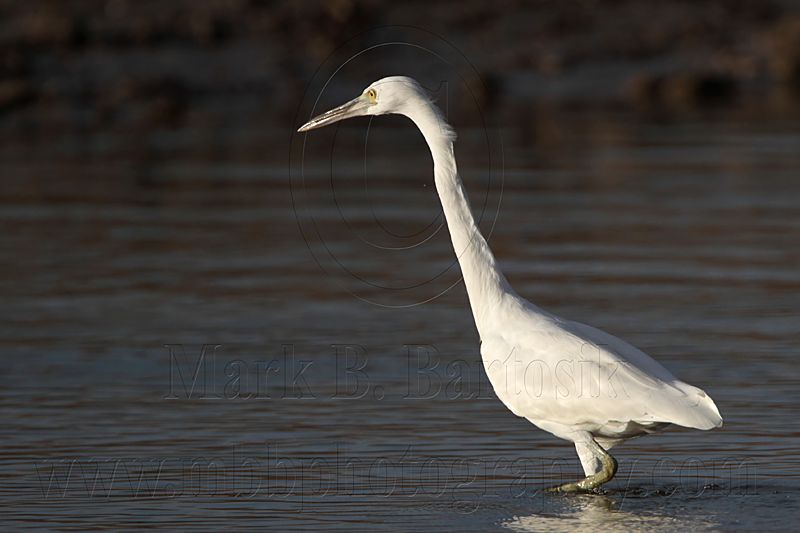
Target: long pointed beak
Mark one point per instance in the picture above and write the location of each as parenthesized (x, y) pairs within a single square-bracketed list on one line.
[(354, 108)]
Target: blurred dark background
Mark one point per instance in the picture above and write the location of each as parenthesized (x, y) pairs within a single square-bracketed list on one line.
[(136, 66), (91, 80), (73, 70)]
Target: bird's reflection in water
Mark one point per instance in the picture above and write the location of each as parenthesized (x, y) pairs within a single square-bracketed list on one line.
[(591, 512)]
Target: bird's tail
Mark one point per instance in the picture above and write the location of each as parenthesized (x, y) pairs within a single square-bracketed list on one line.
[(699, 410)]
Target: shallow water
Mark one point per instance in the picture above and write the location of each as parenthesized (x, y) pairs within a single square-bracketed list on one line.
[(329, 303)]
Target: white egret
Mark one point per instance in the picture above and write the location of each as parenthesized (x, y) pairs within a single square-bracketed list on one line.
[(572, 380)]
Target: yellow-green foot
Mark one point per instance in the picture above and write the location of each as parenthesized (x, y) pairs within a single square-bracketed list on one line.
[(590, 483)]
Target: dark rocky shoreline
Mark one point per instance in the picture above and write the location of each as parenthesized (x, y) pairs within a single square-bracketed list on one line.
[(90, 64)]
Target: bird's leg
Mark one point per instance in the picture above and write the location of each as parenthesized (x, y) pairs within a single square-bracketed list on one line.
[(590, 482)]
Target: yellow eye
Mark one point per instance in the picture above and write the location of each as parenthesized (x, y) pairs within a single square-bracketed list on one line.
[(372, 95)]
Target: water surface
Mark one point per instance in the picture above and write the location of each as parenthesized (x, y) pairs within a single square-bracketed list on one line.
[(124, 259)]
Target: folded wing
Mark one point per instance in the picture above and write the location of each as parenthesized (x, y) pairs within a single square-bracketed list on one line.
[(561, 372)]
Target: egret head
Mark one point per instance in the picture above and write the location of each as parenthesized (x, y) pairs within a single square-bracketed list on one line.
[(395, 94)]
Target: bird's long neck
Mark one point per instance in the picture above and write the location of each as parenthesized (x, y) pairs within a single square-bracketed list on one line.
[(485, 284)]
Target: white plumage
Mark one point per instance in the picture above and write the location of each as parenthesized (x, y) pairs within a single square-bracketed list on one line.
[(572, 380)]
